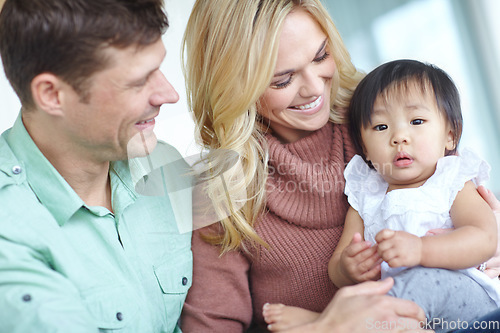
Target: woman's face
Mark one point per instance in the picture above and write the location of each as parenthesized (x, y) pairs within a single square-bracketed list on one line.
[(297, 101)]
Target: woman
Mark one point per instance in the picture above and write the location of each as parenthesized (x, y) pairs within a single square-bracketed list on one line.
[(269, 80)]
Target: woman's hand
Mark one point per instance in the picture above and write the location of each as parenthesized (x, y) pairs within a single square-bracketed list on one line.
[(492, 265), (365, 308)]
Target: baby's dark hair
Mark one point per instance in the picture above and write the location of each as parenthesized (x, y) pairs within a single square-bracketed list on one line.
[(398, 75)]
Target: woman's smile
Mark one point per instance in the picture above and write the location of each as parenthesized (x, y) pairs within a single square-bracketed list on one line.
[(309, 108)]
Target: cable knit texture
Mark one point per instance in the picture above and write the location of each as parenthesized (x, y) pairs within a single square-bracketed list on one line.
[(306, 208)]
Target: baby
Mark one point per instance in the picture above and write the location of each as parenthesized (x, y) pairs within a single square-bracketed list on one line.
[(405, 119)]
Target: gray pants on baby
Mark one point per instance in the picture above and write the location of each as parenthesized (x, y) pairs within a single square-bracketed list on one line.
[(448, 298)]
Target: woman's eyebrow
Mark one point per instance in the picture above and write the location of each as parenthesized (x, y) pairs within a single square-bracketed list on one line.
[(321, 47), (288, 71)]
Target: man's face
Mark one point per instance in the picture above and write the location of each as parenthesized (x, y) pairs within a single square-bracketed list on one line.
[(117, 119)]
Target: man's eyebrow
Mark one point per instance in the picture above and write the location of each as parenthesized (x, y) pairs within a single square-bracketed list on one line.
[(144, 77), (288, 71)]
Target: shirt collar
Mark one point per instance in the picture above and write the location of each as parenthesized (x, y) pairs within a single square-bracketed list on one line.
[(47, 184), (122, 193), (51, 188), (164, 172)]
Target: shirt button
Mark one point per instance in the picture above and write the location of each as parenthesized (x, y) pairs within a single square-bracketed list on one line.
[(119, 316), (16, 169), (27, 298), (184, 281)]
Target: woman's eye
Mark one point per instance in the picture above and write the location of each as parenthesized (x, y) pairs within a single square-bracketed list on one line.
[(322, 57), (380, 127), (282, 84), (417, 122)]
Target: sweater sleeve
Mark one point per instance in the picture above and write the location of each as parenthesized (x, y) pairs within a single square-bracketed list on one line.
[(219, 299)]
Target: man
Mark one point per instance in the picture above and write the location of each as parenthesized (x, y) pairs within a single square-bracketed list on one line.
[(80, 249)]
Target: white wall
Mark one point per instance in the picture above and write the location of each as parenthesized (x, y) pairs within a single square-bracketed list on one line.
[(9, 104), (174, 124)]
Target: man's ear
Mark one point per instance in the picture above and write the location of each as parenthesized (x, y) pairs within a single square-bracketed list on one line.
[(46, 89)]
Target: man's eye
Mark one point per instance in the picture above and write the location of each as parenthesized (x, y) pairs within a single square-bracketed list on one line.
[(380, 127), (417, 122)]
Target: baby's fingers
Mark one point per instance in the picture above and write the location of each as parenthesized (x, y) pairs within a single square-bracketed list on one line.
[(373, 274), (384, 235), (357, 248)]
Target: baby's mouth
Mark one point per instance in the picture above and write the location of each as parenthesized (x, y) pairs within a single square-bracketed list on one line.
[(402, 159)]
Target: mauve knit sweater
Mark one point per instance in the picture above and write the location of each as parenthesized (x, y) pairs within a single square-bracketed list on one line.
[(306, 210)]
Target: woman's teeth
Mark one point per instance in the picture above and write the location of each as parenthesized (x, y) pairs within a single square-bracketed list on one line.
[(308, 106)]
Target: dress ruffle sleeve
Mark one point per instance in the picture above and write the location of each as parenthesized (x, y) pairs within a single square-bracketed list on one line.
[(364, 187), (414, 210), (470, 167)]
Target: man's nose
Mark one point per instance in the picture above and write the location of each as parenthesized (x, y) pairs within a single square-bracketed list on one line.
[(164, 92)]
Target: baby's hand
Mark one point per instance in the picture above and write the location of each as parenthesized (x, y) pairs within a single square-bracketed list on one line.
[(360, 261), (399, 248)]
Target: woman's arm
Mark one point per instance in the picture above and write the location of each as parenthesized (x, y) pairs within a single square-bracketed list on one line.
[(219, 299), (473, 241), (353, 260)]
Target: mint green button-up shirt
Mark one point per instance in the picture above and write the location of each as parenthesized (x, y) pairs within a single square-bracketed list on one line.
[(67, 267)]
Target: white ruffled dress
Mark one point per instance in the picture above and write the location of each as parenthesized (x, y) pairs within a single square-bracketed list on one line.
[(415, 210)]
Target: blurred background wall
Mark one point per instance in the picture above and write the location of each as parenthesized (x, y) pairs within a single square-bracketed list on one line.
[(460, 36)]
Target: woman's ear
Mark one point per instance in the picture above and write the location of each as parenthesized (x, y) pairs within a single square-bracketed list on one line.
[(46, 91)]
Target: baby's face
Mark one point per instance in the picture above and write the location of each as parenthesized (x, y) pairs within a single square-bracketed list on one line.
[(407, 136)]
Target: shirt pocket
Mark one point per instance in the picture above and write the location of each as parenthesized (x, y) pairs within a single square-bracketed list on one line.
[(175, 276), (175, 279), (111, 308)]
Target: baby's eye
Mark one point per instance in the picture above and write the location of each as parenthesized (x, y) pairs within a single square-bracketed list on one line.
[(417, 122), (381, 127)]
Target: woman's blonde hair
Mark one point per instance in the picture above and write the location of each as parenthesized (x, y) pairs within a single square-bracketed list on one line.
[(230, 51)]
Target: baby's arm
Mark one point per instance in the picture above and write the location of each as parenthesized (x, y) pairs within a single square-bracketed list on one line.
[(354, 260), (473, 241)]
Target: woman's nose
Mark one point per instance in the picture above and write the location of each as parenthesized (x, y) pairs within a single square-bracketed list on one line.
[(313, 84)]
